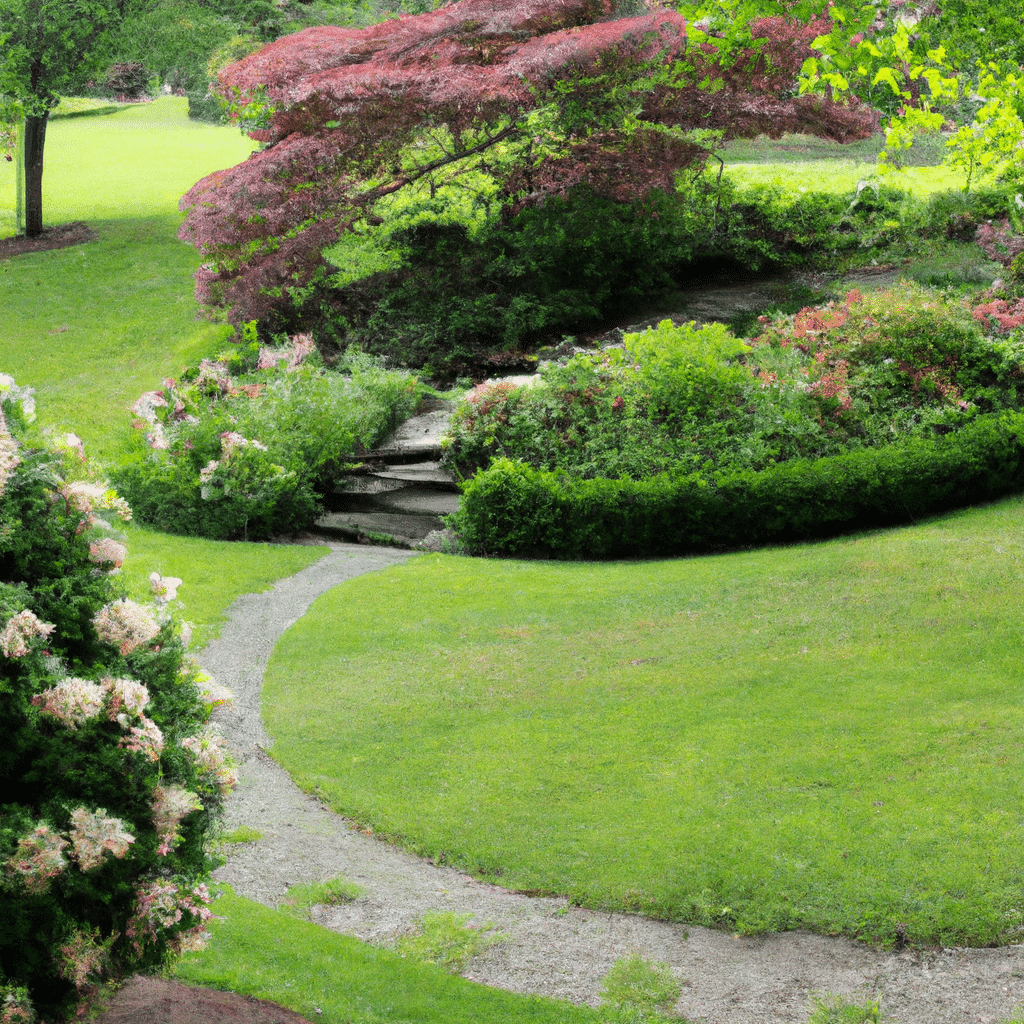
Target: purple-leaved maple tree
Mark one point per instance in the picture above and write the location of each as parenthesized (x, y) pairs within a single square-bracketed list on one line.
[(541, 94)]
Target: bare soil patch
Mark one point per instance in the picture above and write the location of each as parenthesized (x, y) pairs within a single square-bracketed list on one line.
[(59, 237)]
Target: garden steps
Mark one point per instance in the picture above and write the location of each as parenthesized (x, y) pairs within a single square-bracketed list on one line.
[(402, 491)]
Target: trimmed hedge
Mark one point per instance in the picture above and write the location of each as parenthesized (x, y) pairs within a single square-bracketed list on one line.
[(513, 509)]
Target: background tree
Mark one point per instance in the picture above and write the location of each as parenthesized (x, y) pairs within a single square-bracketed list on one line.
[(538, 98), (50, 48)]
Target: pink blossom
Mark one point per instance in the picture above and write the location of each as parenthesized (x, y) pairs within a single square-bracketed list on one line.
[(124, 693), (146, 405), (171, 804), (145, 738), (125, 625), (93, 834), (19, 630), (81, 957), (72, 701), (107, 550), (39, 857), (210, 754), (160, 906), (213, 693)]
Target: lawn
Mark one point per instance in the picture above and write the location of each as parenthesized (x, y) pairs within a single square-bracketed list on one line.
[(93, 326), (340, 980), (823, 736)]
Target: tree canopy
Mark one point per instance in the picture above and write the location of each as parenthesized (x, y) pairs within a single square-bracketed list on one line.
[(540, 97)]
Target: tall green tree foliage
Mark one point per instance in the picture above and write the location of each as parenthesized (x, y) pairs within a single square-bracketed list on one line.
[(49, 48)]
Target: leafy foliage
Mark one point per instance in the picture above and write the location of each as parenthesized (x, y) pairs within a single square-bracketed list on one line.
[(111, 778), (227, 455), (539, 99)]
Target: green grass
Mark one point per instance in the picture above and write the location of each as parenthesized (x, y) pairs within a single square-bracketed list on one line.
[(336, 979), (214, 572), (300, 899), (93, 326), (843, 176), (823, 736)]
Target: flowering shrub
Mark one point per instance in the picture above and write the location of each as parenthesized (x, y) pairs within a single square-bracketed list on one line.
[(227, 455), (102, 819), (863, 372)]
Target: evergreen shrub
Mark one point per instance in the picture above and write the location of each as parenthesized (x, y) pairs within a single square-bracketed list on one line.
[(514, 510), (110, 775)]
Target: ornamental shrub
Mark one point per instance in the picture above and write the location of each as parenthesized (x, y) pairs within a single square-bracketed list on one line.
[(110, 775), (511, 509), (232, 451)]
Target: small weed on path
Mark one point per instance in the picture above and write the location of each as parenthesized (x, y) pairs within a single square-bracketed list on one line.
[(640, 990), (828, 1008), (448, 940), (301, 899)]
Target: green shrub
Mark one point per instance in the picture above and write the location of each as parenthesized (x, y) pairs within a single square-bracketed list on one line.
[(513, 509), (225, 456), (110, 778)]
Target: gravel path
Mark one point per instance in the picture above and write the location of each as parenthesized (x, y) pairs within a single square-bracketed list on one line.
[(553, 949)]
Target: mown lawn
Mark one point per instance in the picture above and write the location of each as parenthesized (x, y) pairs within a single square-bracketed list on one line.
[(823, 736), (92, 326)]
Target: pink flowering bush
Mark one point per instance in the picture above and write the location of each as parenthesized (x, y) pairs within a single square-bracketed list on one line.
[(110, 779), (236, 450), (858, 372)]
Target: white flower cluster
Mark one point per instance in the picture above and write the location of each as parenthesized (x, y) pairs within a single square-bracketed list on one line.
[(160, 906), (93, 834), (210, 754), (38, 858), (72, 701), (87, 498), (165, 588), (107, 551), (171, 804), (19, 630), (9, 460), (125, 625), (291, 355)]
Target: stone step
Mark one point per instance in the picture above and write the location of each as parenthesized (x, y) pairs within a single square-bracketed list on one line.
[(416, 439), (403, 529)]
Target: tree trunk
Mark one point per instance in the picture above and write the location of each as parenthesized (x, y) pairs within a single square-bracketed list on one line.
[(35, 136)]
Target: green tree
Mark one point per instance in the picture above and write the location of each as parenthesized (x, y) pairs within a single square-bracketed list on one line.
[(49, 48)]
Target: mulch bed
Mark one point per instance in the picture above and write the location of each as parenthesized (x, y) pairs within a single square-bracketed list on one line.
[(144, 1000), (59, 237)]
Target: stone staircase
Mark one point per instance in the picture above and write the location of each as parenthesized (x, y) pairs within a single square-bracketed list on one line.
[(402, 492)]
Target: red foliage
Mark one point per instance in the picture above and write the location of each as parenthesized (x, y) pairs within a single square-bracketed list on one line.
[(347, 103), (1000, 315), (999, 241)]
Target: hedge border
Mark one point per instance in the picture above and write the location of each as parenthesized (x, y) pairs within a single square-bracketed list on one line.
[(513, 509)]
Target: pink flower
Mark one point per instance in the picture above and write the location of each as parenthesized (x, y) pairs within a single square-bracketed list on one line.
[(125, 625), (165, 588), (160, 907), (20, 629), (171, 804), (38, 858), (92, 835), (72, 701), (107, 551)]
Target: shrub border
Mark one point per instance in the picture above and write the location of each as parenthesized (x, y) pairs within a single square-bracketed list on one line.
[(512, 509)]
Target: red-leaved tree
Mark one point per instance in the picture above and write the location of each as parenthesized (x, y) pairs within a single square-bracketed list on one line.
[(543, 95)]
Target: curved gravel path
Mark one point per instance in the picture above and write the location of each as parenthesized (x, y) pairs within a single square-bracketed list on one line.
[(553, 949)]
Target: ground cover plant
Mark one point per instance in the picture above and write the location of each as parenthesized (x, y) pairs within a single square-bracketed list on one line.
[(337, 979), (724, 740)]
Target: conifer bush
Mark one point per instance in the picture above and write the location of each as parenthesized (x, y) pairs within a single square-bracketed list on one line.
[(111, 775)]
